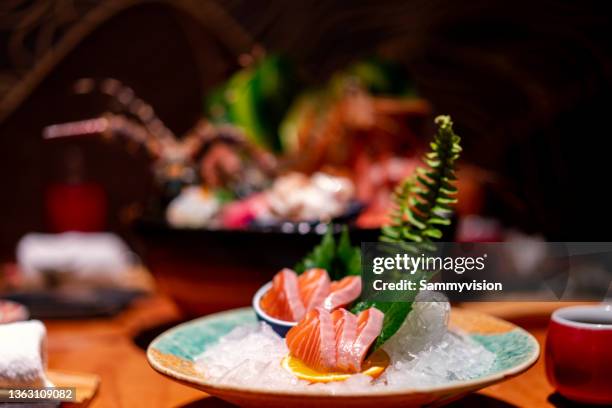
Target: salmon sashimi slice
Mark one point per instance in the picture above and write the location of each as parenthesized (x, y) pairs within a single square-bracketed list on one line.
[(343, 292), (312, 340), (345, 326), (369, 326), (283, 300), (335, 342), (314, 285), (291, 297)]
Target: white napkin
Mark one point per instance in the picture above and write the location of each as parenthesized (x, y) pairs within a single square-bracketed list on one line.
[(23, 355), (85, 258)]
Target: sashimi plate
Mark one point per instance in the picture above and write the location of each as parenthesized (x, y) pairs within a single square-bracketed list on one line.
[(174, 353)]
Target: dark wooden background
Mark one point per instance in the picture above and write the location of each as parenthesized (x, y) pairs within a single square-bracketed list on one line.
[(527, 82)]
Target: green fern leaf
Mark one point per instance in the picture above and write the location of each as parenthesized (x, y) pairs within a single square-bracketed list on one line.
[(425, 201)]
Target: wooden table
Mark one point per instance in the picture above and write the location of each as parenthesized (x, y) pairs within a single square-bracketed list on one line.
[(106, 347)]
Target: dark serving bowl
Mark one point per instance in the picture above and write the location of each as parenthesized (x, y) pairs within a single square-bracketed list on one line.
[(206, 271)]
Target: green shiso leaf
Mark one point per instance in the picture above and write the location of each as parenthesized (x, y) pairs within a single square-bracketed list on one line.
[(339, 258), (322, 256), (348, 256)]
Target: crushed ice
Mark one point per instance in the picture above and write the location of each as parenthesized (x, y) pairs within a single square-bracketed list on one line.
[(423, 353)]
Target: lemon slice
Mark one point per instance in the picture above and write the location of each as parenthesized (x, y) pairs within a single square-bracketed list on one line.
[(372, 366)]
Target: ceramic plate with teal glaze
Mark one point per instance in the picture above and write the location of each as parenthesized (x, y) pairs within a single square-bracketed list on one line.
[(173, 354)]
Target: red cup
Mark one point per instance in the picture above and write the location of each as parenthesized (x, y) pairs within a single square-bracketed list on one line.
[(76, 207), (579, 353)]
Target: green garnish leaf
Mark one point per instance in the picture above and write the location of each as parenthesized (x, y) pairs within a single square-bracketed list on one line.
[(422, 203), (224, 196), (348, 256), (339, 259), (322, 256)]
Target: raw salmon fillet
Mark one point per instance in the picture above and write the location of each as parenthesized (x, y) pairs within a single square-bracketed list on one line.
[(313, 341), (291, 297), (337, 341), (314, 285), (343, 292), (283, 300), (345, 326), (369, 326)]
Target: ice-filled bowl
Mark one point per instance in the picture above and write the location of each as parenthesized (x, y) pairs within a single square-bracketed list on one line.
[(281, 327), (174, 354)]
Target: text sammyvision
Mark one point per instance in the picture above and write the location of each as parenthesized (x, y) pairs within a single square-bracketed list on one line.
[(410, 264)]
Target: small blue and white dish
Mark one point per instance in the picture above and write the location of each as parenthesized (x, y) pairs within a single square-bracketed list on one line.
[(281, 327)]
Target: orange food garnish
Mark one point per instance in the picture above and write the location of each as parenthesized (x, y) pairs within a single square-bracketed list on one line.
[(373, 366)]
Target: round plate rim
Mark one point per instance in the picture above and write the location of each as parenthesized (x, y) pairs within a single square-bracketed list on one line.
[(457, 386)]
